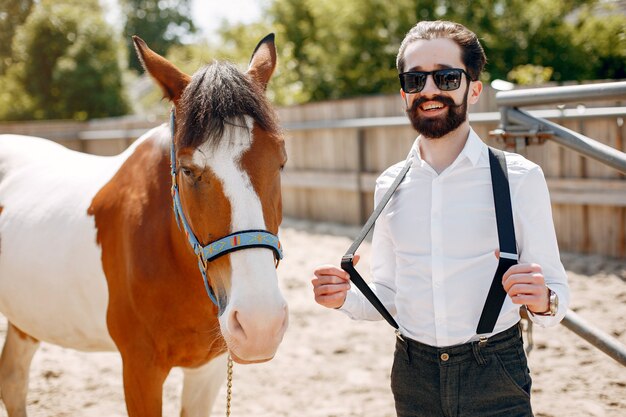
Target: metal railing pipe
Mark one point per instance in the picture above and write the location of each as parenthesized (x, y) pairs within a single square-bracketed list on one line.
[(573, 140), (564, 94), (474, 118), (603, 341)]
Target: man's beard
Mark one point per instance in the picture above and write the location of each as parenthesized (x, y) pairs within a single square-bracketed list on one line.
[(436, 127)]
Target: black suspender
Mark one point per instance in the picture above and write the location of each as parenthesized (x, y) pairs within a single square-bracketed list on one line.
[(506, 237), (346, 261)]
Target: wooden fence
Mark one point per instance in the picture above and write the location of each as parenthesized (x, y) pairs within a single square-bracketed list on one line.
[(337, 149)]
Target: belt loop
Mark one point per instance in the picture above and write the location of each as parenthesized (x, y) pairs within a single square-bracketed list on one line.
[(477, 350), (403, 345), (409, 356)]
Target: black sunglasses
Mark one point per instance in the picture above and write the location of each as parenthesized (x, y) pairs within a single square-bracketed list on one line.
[(446, 79)]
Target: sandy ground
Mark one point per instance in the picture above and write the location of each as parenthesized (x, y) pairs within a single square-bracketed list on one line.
[(331, 366)]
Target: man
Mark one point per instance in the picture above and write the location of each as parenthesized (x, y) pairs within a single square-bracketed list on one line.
[(435, 246)]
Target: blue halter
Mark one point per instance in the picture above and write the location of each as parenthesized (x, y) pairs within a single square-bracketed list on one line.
[(236, 241)]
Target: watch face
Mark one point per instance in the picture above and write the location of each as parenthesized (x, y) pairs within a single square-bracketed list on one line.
[(554, 303)]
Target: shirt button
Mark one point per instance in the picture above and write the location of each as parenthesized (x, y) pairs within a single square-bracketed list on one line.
[(445, 357)]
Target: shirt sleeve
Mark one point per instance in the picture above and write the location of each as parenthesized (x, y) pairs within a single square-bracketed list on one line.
[(382, 271), (537, 241)]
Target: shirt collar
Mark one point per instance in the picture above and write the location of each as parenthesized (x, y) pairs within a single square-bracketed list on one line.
[(473, 150)]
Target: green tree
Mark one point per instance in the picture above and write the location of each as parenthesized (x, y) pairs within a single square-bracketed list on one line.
[(328, 49), (518, 33), (331, 49), (567, 40), (161, 23), (65, 65), (601, 34), (13, 13)]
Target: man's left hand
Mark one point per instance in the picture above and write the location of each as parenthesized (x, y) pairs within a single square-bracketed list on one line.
[(525, 284)]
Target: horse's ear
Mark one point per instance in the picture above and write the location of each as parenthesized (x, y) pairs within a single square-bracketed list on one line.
[(171, 80), (263, 61)]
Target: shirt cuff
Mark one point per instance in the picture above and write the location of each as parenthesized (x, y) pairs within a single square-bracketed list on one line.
[(547, 320), (544, 321), (351, 304)]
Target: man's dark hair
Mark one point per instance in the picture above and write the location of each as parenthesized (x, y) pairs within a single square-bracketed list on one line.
[(472, 53)]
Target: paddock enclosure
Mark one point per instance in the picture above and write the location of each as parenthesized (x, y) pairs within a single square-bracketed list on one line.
[(331, 366)]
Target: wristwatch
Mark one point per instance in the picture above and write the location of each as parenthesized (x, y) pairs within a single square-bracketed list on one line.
[(553, 303)]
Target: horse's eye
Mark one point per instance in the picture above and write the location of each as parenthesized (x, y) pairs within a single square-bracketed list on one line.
[(185, 171)]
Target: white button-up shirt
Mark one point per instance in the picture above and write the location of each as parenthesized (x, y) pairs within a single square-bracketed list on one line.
[(433, 246)]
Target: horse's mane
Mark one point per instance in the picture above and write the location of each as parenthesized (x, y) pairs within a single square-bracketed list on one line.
[(220, 93)]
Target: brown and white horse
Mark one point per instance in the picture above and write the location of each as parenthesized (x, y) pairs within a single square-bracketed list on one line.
[(92, 256)]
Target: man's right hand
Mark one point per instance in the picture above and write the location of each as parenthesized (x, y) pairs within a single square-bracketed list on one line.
[(331, 284)]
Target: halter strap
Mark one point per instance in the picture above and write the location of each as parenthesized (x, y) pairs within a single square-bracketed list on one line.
[(236, 241)]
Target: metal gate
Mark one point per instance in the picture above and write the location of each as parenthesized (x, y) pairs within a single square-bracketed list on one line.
[(519, 129)]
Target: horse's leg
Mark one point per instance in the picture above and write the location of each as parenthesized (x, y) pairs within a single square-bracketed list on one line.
[(17, 354), (143, 384), (201, 386)]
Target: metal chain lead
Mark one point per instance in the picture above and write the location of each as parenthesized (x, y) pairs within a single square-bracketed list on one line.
[(229, 385)]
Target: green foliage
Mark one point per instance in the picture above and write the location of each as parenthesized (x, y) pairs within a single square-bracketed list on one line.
[(601, 34), (532, 33), (59, 59), (13, 13), (530, 74), (330, 49), (161, 23), (65, 65), (327, 49)]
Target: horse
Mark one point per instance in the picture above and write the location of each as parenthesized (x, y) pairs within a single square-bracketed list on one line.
[(94, 258)]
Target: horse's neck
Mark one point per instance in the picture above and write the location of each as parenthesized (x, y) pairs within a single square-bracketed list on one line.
[(138, 196), (145, 257)]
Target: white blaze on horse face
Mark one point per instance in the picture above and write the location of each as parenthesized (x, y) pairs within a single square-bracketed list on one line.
[(255, 318)]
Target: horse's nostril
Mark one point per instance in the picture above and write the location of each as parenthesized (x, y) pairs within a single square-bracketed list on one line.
[(237, 329), (285, 322)]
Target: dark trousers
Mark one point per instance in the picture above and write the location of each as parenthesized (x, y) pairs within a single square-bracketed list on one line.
[(475, 379)]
